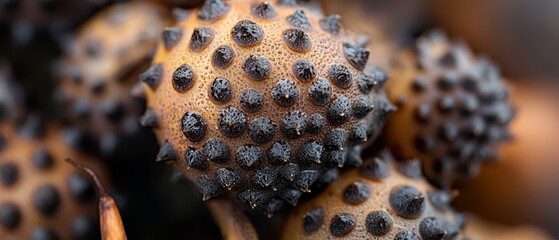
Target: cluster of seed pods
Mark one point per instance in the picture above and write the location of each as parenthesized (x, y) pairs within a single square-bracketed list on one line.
[(453, 109), (261, 98)]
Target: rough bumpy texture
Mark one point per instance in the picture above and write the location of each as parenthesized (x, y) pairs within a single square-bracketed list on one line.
[(382, 200), (98, 73), (453, 110), (261, 98), (42, 197)]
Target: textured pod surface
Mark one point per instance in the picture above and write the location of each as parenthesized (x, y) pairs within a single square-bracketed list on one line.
[(263, 91), (453, 109), (99, 71), (42, 196), (382, 200)]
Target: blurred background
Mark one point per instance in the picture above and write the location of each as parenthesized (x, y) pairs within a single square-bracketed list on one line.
[(520, 36)]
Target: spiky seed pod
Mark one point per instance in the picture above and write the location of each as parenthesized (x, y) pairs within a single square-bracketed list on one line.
[(378, 201), (453, 109), (97, 75), (11, 96), (42, 196), (245, 90)]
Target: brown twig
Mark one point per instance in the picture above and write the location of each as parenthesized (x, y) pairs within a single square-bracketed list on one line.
[(111, 222), (233, 223)]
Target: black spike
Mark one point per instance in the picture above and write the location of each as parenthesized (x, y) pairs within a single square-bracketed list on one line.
[(208, 187), (195, 159), (342, 224), (313, 219), (279, 152), (356, 193), (410, 168), (180, 14), (357, 56), (297, 40), (305, 179), (264, 10), (339, 111), (310, 152), (229, 178), (440, 199), (289, 171), (254, 197), (149, 119), (320, 92), (431, 228), (291, 195), (166, 153), (299, 20), (264, 177), (331, 24), (247, 33), (376, 169), (249, 156), (407, 202), (285, 93), (201, 38), (340, 75), (213, 10), (353, 157), (152, 76), (334, 158), (171, 36), (335, 139)]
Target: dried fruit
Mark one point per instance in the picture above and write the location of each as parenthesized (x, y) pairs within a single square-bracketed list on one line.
[(267, 107), (453, 110)]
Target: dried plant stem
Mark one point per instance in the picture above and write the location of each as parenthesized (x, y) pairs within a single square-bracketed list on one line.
[(111, 222), (233, 223)]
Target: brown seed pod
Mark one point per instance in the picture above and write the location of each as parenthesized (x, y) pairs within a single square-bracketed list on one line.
[(41, 196), (382, 200), (99, 71), (260, 98), (453, 109)]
